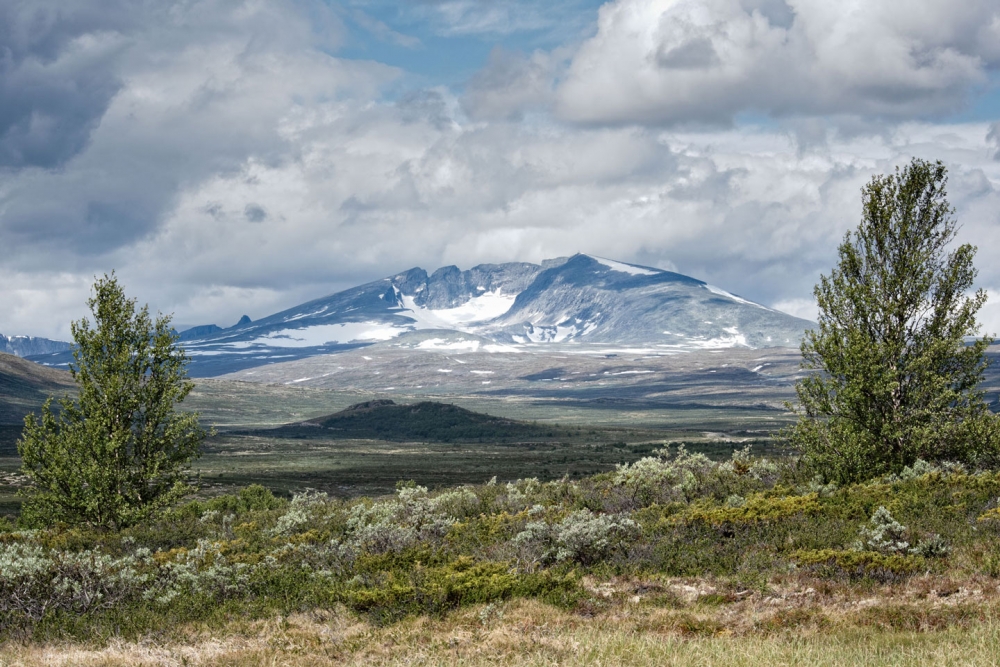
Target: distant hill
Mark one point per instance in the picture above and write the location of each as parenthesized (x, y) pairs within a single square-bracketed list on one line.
[(25, 385), (427, 421)]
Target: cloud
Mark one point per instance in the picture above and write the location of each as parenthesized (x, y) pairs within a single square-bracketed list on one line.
[(707, 61), (382, 31), (200, 89), (993, 138), (476, 17), (240, 166), (56, 78), (554, 21), (509, 85)]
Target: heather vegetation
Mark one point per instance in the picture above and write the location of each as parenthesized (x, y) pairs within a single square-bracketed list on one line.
[(746, 524)]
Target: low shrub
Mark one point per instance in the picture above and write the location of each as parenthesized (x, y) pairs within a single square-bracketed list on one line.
[(582, 537), (743, 520), (857, 565), (756, 508)]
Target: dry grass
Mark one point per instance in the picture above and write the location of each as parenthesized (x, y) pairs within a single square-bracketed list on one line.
[(928, 621)]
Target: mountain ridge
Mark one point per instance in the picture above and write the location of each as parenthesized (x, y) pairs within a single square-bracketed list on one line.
[(579, 299), (26, 346)]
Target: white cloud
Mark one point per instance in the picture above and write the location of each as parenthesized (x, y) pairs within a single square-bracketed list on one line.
[(705, 61), (509, 85), (240, 168)]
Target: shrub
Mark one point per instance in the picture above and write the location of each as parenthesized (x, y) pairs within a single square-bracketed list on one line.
[(883, 534), (300, 511), (662, 478), (582, 537), (855, 565), (34, 581), (756, 508)]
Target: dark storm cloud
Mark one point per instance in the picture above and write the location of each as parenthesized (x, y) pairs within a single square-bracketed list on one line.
[(509, 85), (56, 76), (254, 213), (109, 111)]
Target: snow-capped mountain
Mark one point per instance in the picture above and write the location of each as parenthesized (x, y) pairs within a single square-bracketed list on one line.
[(598, 300), (583, 299), (26, 346)]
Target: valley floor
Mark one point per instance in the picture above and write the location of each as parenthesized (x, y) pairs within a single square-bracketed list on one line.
[(927, 621)]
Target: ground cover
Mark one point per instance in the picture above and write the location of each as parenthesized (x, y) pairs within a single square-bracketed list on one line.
[(674, 552), (795, 629)]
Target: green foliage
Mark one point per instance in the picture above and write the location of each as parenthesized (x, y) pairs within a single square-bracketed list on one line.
[(664, 478), (759, 507), (251, 554), (118, 452), (580, 537), (432, 590), (896, 379), (883, 534)]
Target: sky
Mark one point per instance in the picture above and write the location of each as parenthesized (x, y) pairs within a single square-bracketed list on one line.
[(241, 157)]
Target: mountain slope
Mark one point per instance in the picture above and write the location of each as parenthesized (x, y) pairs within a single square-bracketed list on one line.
[(24, 386), (26, 346), (603, 301)]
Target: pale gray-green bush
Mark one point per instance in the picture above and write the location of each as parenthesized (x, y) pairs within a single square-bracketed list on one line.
[(664, 478), (582, 536), (34, 580), (883, 534), (204, 570), (302, 511)]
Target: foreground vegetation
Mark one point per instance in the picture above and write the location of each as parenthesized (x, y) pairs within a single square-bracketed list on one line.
[(741, 546), (525, 632)]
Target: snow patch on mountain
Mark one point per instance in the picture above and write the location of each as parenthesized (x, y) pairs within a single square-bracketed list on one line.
[(460, 345), (320, 334), (721, 292), (630, 269), (479, 308)]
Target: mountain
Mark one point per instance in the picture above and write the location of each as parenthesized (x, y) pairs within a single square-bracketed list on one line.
[(26, 346), (199, 332), (602, 301), (577, 300)]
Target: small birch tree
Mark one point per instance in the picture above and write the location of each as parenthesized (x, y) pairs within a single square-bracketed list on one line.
[(118, 451), (896, 376)]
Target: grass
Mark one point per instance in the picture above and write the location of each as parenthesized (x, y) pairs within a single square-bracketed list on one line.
[(528, 632)]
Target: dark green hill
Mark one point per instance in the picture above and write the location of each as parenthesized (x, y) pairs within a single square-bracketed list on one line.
[(427, 421), (24, 386)]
